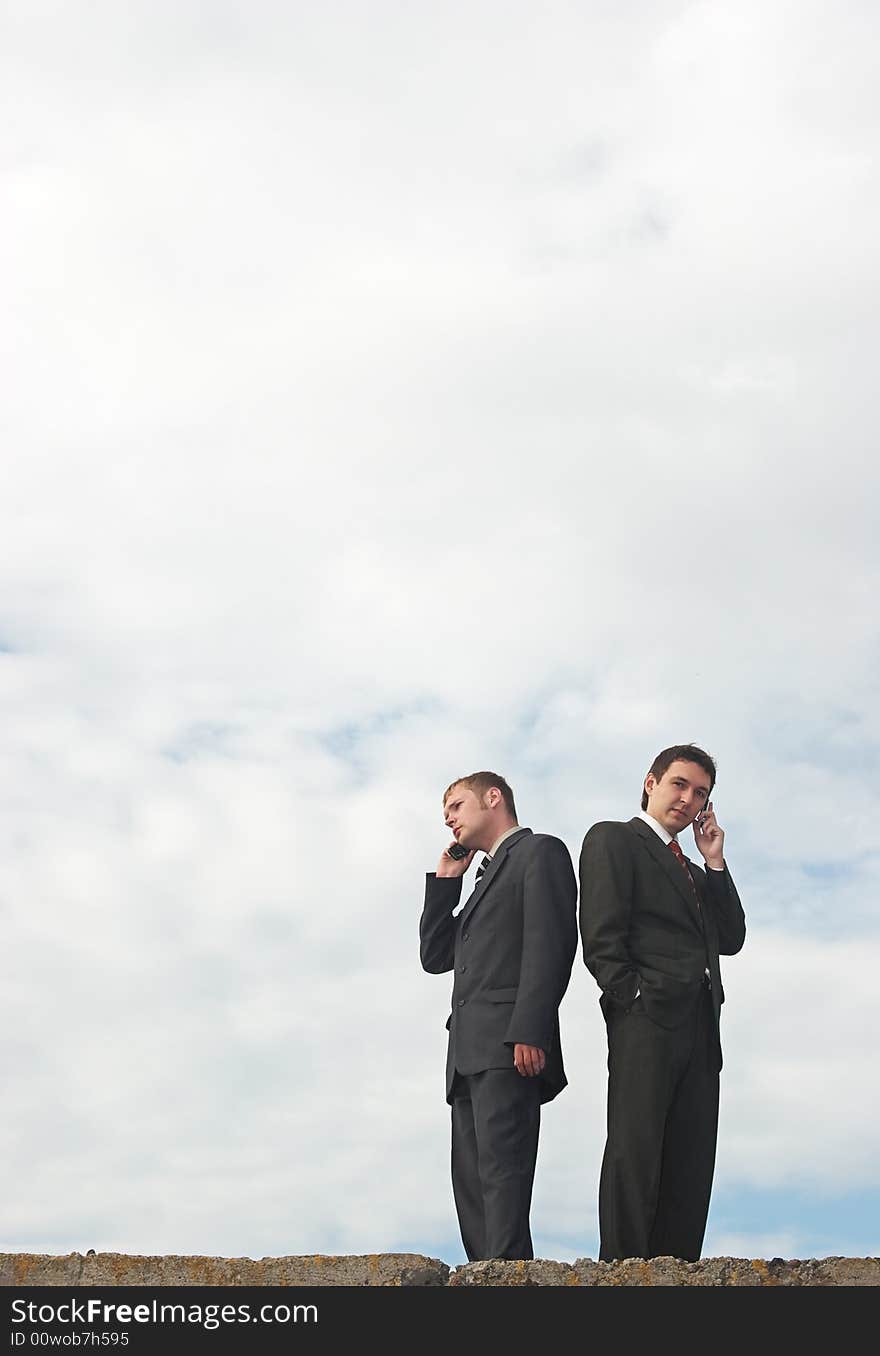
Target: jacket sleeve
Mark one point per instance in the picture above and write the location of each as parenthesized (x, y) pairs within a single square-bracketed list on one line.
[(549, 917), (721, 896), (437, 925), (606, 892)]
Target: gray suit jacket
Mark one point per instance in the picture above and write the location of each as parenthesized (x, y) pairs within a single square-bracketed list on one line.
[(641, 927), (511, 949)]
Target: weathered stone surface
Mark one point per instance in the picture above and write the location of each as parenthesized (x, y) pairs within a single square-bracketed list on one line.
[(498, 1272), (115, 1268), (412, 1269), (730, 1271), (711, 1271)]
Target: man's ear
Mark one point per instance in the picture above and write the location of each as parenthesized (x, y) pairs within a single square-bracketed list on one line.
[(493, 795), (650, 783)]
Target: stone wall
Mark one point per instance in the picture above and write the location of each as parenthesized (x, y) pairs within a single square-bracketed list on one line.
[(412, 1269)]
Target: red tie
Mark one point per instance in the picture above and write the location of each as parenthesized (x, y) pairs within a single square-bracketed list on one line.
[(680, 858)]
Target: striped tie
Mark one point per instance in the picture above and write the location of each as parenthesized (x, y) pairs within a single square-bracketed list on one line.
[(680, 858), (480, 869)]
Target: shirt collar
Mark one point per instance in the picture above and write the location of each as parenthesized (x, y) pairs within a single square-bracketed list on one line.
[(498, 841), (658, 828)]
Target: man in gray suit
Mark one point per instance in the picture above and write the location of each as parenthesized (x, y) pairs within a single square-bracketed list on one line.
[(511, 948), (653, 925)]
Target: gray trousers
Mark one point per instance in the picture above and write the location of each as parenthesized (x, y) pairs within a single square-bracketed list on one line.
[(496, 1117)]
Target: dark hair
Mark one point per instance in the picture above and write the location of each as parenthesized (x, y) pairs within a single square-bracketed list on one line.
[(685, 753), (480, 783)]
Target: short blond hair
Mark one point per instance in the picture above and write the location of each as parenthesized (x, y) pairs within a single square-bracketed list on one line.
[(480, 783)]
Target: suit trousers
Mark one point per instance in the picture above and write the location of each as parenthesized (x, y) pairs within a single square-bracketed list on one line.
[(659, 1156), (496, 1117)]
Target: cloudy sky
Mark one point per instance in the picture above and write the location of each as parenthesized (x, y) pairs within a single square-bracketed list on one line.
[(391, 391)]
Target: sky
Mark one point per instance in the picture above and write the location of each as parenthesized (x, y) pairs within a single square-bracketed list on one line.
[(393, 391)]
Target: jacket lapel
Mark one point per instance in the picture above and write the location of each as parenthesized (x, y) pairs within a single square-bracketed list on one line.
[(489, 875), (661, 854)]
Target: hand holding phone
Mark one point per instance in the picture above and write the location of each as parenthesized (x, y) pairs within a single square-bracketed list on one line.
[(709, 837), (454, 861)]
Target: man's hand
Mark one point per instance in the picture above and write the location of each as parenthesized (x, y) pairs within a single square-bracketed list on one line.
[(529, 1060), (709, 838), (448, 866)]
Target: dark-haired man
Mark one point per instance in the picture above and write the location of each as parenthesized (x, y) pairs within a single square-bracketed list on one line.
[(511, 948), (653, 924)]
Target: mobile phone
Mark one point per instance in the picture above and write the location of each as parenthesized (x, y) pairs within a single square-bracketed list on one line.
[(456, 851)]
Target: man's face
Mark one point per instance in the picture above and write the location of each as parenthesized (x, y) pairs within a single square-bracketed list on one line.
[(679, 796), (468, 815)]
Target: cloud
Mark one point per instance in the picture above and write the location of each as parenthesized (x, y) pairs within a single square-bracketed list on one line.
[(388, 399)]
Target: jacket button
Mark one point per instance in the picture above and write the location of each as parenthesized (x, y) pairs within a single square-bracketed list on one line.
[(461, 1002), (464, 936), (461, 969)]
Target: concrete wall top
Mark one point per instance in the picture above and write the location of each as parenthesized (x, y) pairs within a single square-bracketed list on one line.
[(414, 1269)]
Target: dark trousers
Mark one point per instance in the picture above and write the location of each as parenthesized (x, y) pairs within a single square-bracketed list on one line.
[(662, 1128), (496, 1116)]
